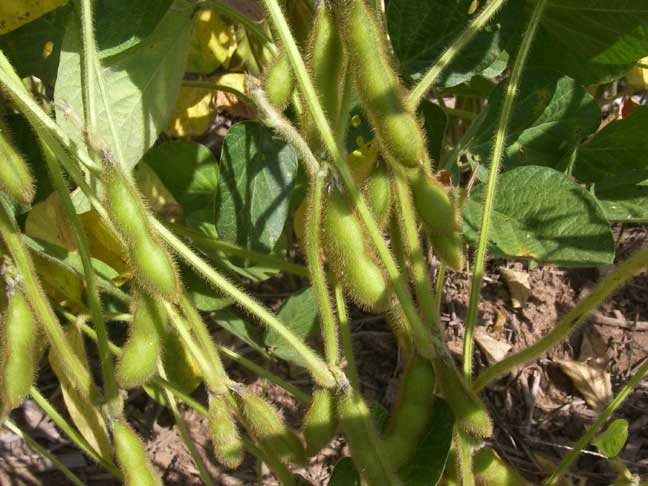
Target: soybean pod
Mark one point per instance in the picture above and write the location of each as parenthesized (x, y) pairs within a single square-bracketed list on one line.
[(320, 422), (226, 440), (279, 82), (490, 470), (132, 458), (15, 177)]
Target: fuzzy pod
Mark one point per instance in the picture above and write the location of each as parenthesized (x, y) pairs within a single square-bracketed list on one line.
[(279, 81), (327, 63), (367, 449), (470, 413), (15, 177), (127, 210), (132, 458), (226, 440), (490, 470), (351, 257), (411, 415), (320, 422), (139, 359), (154, 268), (179, 365), (449, 249), (269, 429), (18, 352), (433, 203), (378, 192), (381, 92)]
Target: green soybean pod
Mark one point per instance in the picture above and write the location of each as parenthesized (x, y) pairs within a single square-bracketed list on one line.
[(326, 61), (269, 428), (18, 352), (433, 203), (379, 87), (352, 259), (15, 177), (226, 440), (378, 192), (469, 411), (367, 449), (154, 267), (490, 470), (131, 457), (139, 359), (125, 204), (320, 422), (279, 81), (449, 249), (411, 416)]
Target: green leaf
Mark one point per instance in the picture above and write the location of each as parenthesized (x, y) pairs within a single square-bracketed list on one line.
[(345, 474), (613, 439), (299, 313), (420, 30), (258, 172), (540, 213), (141, 86), (428, 463), (202, 295), (593, 41), (626, 203), (617, 154), (189, 171), (114, 34), (245, 330), (550, 116), (435, 122)]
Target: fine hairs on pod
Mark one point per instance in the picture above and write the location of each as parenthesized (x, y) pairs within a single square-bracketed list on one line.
[(226, 440), (320, 422), (15, 178), (131, 456)]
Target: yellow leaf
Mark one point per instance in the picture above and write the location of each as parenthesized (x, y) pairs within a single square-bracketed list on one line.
[(230, 102), (638, 77), (194, 112), (213, 44), (15, 13)]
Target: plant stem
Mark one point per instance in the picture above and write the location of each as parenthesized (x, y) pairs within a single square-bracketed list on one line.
[(345, 335), (111, 391), (314, 363), (78, 374), (316, 268), (44, 452), (72, 434), (477, 23), (199, 83), (438, 289), (611, 282), (598, 423), (499, 145), (88, 65)]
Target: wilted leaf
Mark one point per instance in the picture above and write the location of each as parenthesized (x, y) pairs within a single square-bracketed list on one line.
[(493, 349), (592, 381), (213, 42), (14, 13), (194, 111), (518, 285), (613, 439)]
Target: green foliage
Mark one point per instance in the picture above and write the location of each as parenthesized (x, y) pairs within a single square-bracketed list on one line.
[(613, 439)]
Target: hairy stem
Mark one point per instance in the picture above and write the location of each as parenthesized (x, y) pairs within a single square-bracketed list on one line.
[(345, 336), (496, 158), (477, 23), (611, 282), (596, 426)]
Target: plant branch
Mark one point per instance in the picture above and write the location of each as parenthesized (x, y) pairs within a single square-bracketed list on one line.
[(611, 282), (345, 335), (477, 23), (496, 158), (596, 426)]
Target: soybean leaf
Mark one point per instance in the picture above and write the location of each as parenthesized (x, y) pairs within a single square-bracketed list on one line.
[(611, 441), (15, 13), (345, 474), (428, 463), (201, 294), (434, 121), (141, 86), (627, 203), (593, 41), (299, 313), (115, 34), (540, 213), (34, 48), (618, 153), (188, 170), (552, 113), (258, 172), (420, 30), (243, 329)]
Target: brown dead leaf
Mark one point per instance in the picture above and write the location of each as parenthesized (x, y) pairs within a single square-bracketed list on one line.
[(518, 285), (493, 349), (591, 381)]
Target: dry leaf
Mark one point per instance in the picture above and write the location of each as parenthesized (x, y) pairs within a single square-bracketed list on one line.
[(518, 285), (593, 382), (493, 349)]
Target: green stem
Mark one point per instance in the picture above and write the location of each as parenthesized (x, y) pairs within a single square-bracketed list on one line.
[(496, 158), (345, 335), (438, 289), (464, 458), (314, 363), (611, 282), (477, 23), (88, 65), (218, 87), (111, 390), (44, 452), (598, 423), (317, 275), (78, 374), (72, 434)]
